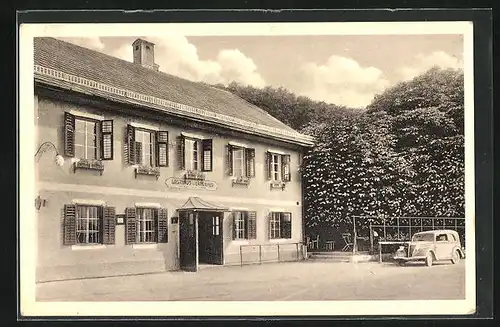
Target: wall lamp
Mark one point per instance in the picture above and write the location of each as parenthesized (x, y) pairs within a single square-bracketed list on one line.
[(46, 146)]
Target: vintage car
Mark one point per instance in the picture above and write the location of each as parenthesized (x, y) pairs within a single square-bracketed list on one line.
[(430, 246)]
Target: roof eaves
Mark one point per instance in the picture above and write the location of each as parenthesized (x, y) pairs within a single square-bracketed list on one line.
[(62, 79)]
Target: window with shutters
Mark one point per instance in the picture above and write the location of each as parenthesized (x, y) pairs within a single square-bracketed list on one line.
[(278, 167), (146, 225), (144, 142), (241, 161), (88, 224), (88, 139), (244, 225), (86, 143), (280, 225)]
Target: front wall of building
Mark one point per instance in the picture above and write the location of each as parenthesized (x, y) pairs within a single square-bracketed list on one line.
[(119, 188)]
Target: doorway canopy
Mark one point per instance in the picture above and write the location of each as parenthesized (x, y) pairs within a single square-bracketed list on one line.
[(198, 204)]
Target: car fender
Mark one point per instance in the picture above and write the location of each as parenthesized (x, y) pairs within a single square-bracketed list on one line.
[(462, 254), (431, 251)]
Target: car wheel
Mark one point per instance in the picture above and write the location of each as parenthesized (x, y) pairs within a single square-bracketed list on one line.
[(429, 259), (401, 262), (455, 257)]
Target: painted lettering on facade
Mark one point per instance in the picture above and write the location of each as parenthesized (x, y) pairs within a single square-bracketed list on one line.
[(175, 182)]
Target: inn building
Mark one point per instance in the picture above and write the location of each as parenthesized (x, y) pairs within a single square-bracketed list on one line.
[(159, 173)]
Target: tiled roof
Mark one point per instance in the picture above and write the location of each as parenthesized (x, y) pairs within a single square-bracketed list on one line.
[(72, 59)]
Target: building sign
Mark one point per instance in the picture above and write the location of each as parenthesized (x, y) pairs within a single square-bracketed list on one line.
[(183, 183), (120, 219)]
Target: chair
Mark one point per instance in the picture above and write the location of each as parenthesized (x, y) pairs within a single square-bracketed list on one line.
[(313, 243), (348, 241), (330, 245)]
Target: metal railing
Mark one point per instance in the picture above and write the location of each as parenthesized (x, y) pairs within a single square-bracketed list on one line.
[(298, 250)]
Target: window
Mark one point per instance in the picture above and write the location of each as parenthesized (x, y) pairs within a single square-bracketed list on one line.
[(442, 238), (191, 154), (146, 147), (280, 225), (86, 138), (238, 162), (275, 225), (89, 224), (215, 225), (239, 225), (195, 153), (146, 227), (144, 151), (278, 167), (244, 225), (275, 167)]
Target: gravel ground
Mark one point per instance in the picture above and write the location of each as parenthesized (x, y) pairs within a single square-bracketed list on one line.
[(296, 281)]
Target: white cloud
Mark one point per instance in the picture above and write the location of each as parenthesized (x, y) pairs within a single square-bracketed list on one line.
[(341, 81), (175, 55), (423, 62), (93, 42)]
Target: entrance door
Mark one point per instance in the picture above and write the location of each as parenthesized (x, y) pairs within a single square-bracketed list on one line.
[(188, 241), (211, 247)]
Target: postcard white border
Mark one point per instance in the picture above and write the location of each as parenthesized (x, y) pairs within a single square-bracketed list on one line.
[(27, 214)]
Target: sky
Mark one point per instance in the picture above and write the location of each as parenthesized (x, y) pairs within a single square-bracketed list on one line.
[(344, 70)]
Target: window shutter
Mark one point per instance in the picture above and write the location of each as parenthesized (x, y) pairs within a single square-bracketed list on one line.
[(162, 149), (285, 168), (130, 141), (138, 153), (69, 135), (251, 223), (162, 225), (108, 225), (130, 225), (268, 164), (229, 159), (181, 156), (207, 155), (269, 218), (69, 224), (286, 225), (106, 140), (250, 162), (233, 219)]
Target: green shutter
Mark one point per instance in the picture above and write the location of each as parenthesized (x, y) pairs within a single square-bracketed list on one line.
[(107, 140), (251, 224), (286, 225), (162, 225), (130, 145), (69, 135), (130, 225), (162, 149), (206, 155), (181, 156), (229, 160), (109, 225), (250, 162), (268, 164), (69, 224)]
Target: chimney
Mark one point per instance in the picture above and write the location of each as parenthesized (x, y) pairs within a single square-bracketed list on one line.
[(144, 54)]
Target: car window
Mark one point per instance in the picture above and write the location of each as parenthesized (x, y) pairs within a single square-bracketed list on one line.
[(428, 237), (442, 238), (452, 237)]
